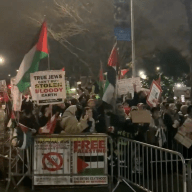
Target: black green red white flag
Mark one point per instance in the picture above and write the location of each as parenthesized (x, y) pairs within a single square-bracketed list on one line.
[(111, 76), (30, 63)]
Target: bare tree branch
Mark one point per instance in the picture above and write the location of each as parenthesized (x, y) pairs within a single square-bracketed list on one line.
[(74, 46), (58, 38), (64, 10)]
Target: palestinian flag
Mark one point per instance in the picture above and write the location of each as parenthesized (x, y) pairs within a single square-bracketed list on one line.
[(24, 136), (30, 63), (49, 127), (111, 76), (90, 165), (123, 72)]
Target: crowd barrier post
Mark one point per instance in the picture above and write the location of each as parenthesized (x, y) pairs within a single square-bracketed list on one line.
[(19, 164), (150, 168), (189, 176)]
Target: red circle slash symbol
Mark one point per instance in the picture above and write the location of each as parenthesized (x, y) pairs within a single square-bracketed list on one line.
[(49, 160)]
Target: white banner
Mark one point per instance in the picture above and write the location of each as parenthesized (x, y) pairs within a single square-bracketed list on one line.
[(126, 85), (16, 96), (154, 95), (178, 91), (48, 87), (84, 158)]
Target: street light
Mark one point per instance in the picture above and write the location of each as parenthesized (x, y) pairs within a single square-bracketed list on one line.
[(141, 73), (1, 59), (178, 85), (157, 68), (9, 75), (17, 70), (143, 76)]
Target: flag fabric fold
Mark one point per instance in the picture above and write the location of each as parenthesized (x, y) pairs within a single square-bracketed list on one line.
[(49, 127), (24, 136), (30, 63), (110, 84)]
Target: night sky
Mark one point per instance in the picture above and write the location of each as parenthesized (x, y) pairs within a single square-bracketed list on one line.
[(159, 24)]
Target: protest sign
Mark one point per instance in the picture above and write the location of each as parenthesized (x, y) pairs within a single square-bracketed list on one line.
[(12, 84), (126, 85), (70, 160), (186, 91), (48, 87), (183, 139), (67, 87), (141, 116), (154, 95), (3, 88)]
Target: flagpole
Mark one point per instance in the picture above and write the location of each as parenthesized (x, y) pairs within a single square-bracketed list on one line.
[(133, 40), (49, 67), (117, 68)]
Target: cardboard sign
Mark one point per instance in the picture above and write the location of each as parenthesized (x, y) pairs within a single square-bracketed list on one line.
[(154, 95), (141, 116), (48, 87), (125, 86), (70, 160), (183, 139), (186, 91)]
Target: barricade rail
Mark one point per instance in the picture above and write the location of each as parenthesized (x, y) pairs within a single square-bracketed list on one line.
[(171, 143), (189, 173), (150, 168), (66, 160)]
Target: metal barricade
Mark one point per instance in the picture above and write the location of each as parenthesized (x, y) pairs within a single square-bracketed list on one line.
[(174, 145), (19, 164), (189, 176), (64, 160), (2, 138), (150, 168)]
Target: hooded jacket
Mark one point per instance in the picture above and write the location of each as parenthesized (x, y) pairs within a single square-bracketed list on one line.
[(69, 122)]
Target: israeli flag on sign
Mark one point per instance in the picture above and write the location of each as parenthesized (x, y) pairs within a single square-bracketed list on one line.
[(122, 34)]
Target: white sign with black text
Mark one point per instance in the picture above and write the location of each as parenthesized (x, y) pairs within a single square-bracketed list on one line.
[(126, 86), (154, 95), (48, 87)]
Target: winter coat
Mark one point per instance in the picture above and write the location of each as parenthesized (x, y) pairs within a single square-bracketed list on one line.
[(69, 122)]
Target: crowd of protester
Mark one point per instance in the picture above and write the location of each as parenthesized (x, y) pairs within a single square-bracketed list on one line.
[(87, 115), (90, 115)]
